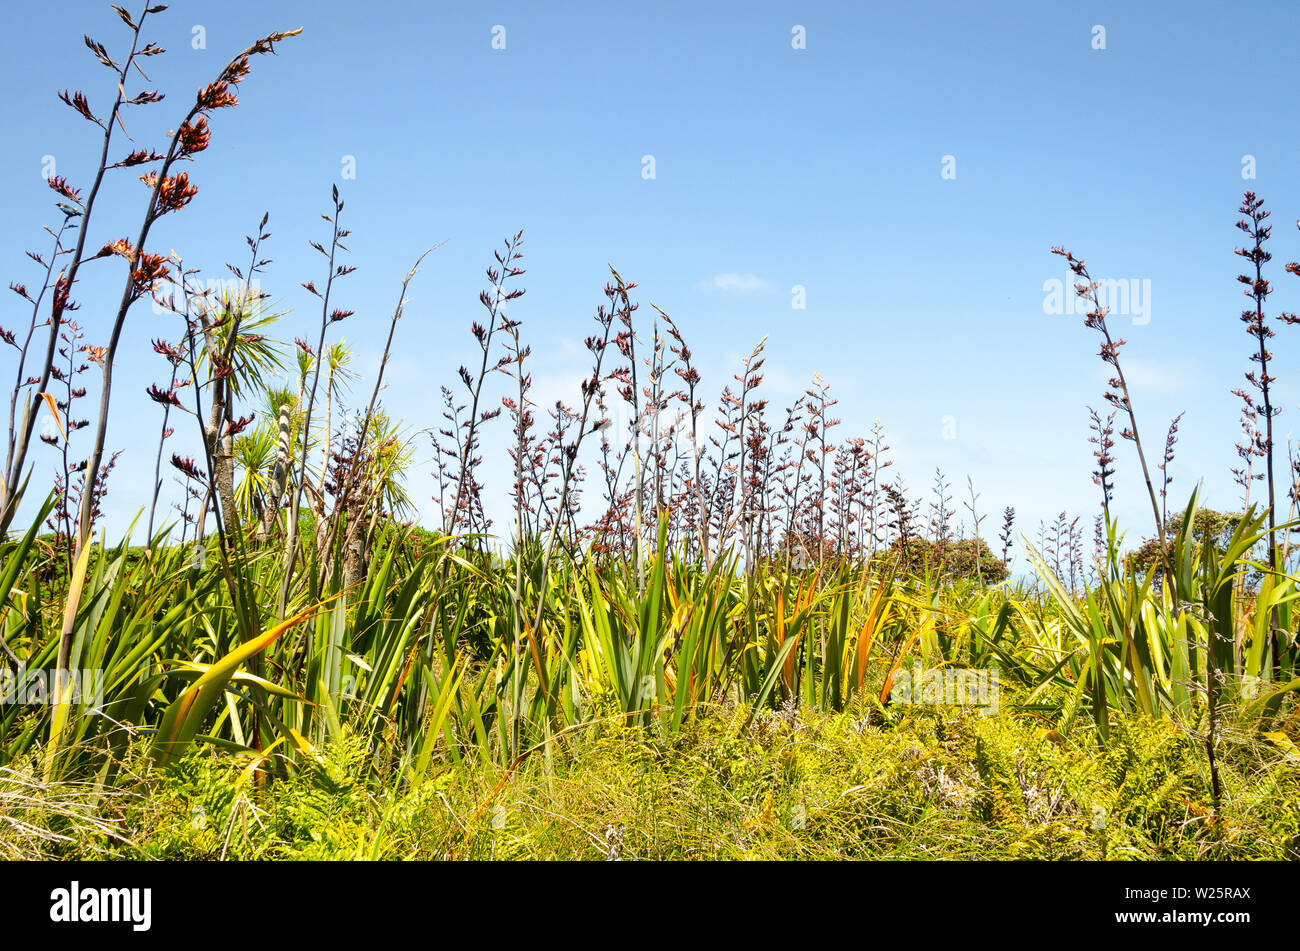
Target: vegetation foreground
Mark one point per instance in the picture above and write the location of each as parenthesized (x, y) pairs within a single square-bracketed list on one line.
[(759, 648), (835, 786)]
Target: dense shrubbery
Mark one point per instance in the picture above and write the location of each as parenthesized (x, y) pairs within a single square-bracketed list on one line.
[(918, 783), (1208, 527), (965, 559)]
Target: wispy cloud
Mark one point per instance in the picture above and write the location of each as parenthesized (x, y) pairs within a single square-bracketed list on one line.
[(734, 283)]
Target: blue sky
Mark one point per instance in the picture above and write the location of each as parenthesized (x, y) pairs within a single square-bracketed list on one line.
[(774, 167)]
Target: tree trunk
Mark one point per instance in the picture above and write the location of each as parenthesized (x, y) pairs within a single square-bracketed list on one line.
[(355, 562), (280, 474), (224, 460)]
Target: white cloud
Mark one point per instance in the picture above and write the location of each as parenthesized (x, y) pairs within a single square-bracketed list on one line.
[(734, 283)]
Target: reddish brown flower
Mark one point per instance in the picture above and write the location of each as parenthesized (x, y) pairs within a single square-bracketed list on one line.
[(216, 96), (62, 301), (174, 193), (150, 269), (221, 367), (186, 465), (163, 397), (237, 426), (236, 72), (78, 101), (163, 348), (139, 157), (194, 136), (101, 53), (267, 43), (121, 247), (60, 185)]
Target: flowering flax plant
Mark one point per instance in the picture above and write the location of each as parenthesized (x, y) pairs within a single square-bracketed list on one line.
[(169, 193), (1258, 289), (1118, 394), (493, 302), (334, 271), (74, 205)]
